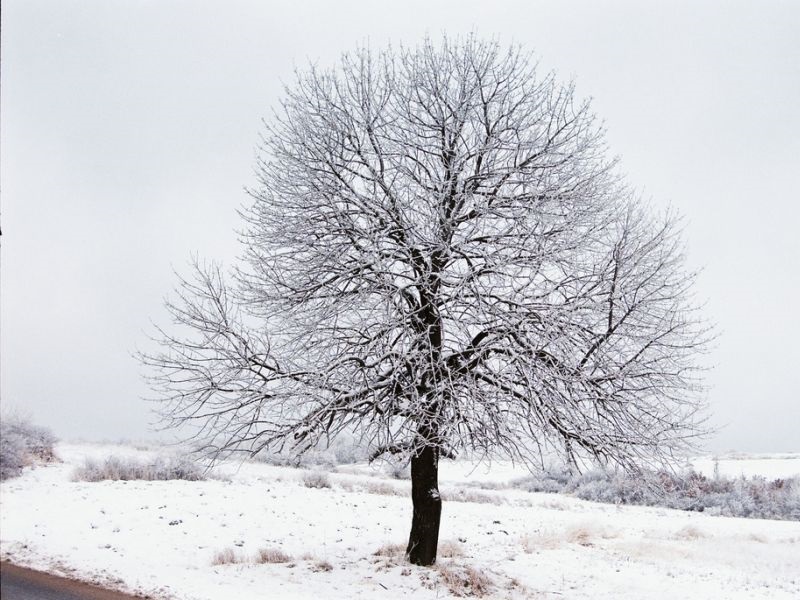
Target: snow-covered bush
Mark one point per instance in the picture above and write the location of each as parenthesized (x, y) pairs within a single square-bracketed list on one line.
[(612, 488), (754, 497), (125, 469), (22, 444), (12, 455), (552, 481), (398, 470), (343, 450), (316, 479), (348, 449)]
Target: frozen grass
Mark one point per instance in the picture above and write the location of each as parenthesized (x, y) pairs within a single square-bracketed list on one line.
[(586, 535), (272, 555), (464, 581), (383, 489), (389, 556), (689, 533), (317, 565), (394, 554), (449, 494), (116, 468), (264, 556), (23, 444), (754, 497), (449, 549), (580, 535), (391, 551), (228, 556), (321, 566), (470, 495)]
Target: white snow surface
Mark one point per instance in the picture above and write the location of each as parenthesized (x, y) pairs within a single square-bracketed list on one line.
[(159, 538), (771, 466)]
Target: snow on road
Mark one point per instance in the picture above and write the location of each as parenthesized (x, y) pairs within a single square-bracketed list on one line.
[(160, 538)]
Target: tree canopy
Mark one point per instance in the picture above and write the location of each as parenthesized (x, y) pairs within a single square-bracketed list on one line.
[(439, 253)]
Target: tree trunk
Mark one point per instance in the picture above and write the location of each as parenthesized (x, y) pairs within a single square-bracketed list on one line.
[(424, 538)]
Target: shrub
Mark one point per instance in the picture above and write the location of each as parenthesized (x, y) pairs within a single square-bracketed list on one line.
[(124, 469), (348, 450), (551, 481), (12, 457), (399, 470), (344, 449), (754, 497), (316, 479), (22, 444)]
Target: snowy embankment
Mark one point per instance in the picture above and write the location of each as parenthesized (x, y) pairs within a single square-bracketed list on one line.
[(163, 538)]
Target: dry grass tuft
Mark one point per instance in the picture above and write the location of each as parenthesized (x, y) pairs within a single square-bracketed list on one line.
[(579, 535), (689, 533), (389, 556), (382, 489), (528, 543), (321, 566), (272, 555), (317, 565), (162, 468), (474, 496), (391, 550), (228, 556), (583, 535), (449, 549), (553, 505), (464, 581)]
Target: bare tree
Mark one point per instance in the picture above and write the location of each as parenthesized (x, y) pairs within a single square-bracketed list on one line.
[(440, 256)]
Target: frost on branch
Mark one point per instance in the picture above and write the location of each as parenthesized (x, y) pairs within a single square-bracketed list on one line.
[(438, 254)]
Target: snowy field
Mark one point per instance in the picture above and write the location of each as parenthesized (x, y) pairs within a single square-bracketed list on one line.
[(771, 466), (161, 538)]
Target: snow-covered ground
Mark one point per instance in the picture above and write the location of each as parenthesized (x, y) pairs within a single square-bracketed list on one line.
[(160, 538)]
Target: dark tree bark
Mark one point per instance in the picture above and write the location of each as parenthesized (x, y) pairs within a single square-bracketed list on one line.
[(424, 538)]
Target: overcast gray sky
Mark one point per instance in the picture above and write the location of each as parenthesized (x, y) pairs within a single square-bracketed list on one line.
[(129, 127)]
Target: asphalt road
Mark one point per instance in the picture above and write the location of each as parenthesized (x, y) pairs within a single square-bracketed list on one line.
[(17, 583)]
